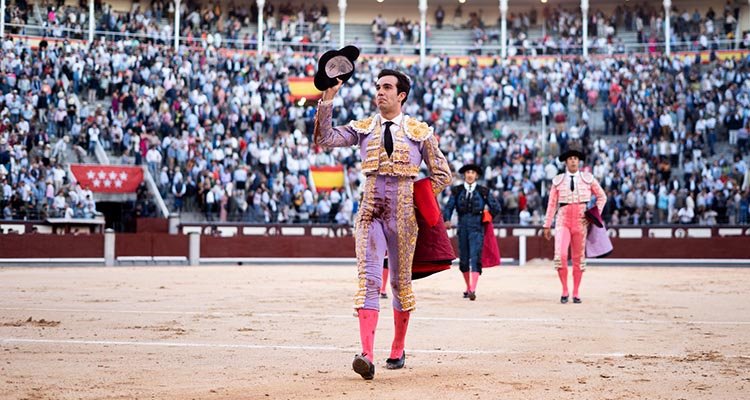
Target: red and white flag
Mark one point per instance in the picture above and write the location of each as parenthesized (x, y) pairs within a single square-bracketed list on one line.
[(107, 178)]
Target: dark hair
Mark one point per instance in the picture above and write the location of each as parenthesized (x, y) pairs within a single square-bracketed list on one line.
[(403, 84)]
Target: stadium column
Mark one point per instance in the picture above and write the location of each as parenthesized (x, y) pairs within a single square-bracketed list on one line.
[(503, 28), (194, 248), (176, 25), (342, 21), (2, 19), (261, 6), (667, 17), (109, 247), (92, 18), (585, 24), (422, 31)]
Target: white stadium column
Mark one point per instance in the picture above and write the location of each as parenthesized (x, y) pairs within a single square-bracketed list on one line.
[(261, 6), (422, 31), (194, 249), (503, 28), (2, 19), (667, 16), (109, 248), (342, 22), (92, 18), (585, 24), (176, 25)]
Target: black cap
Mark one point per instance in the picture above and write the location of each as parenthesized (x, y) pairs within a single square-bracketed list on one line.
[(575, 148), (335, 64), (470, 167)]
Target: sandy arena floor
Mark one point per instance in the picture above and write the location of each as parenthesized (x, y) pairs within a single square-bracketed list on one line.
[(288, 332)]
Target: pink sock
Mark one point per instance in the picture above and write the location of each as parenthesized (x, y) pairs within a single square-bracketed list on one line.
[(563, 273), (368, 321), (577, 275), (400, 323), (474, 280), (385, 280), (466, 279)]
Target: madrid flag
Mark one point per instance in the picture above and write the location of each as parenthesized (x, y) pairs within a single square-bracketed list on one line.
[(107, 178)]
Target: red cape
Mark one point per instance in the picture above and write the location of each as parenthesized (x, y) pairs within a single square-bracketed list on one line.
[(434, 251), (490, 251)]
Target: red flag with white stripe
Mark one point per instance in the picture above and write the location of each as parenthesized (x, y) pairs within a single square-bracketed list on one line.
[(108, 178)]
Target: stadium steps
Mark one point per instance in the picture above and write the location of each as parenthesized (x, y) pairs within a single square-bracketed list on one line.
[(444, 41), (359, 34), (451, 41)]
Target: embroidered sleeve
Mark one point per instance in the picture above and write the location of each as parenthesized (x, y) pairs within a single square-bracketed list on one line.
[(326, 135), (440, 173), (554, 194), (448, 211)]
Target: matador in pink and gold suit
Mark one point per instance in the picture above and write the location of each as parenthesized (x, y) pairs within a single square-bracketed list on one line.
[(569, 197), (386, 220)]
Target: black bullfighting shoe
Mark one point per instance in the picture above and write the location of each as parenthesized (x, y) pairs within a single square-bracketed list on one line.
[(563, 299), (396, 363), (364, 367), (577, 300), (472, 296)]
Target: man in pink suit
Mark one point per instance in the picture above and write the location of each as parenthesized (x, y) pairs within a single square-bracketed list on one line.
[(392, 148), (570, 193)]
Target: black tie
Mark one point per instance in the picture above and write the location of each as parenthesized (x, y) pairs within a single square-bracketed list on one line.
[(388, 138), (572, 185)]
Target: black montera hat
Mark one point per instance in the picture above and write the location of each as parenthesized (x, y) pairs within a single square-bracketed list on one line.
[(575, 148), (335, 64), (470, 167)]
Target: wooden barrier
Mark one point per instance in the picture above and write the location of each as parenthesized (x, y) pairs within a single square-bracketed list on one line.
[(150, 245), (51, 246), (228, 241)]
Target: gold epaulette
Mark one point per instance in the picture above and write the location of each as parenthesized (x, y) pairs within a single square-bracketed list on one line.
[(363, 126), (416, 130)]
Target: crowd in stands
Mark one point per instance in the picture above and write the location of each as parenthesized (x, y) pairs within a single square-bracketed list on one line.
[(402, 33), (306, 26), (668, 138), (203, 24), (562, 29)]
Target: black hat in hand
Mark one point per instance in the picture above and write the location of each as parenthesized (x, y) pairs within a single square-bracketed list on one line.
[(335, 64)]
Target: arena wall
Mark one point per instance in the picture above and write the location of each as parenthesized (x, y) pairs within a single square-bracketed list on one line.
[(242, 243)]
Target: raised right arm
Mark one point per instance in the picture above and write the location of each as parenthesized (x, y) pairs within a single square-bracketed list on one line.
[(325, 134)]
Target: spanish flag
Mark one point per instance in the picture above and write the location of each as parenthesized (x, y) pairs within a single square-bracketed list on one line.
[(303, 88), (326, 178)]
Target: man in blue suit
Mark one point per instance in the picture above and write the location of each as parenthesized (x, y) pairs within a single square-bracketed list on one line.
[(470, 200)]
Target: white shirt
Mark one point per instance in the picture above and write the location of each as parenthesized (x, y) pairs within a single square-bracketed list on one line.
[(575, 177), (397, 121), (470, 187)]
